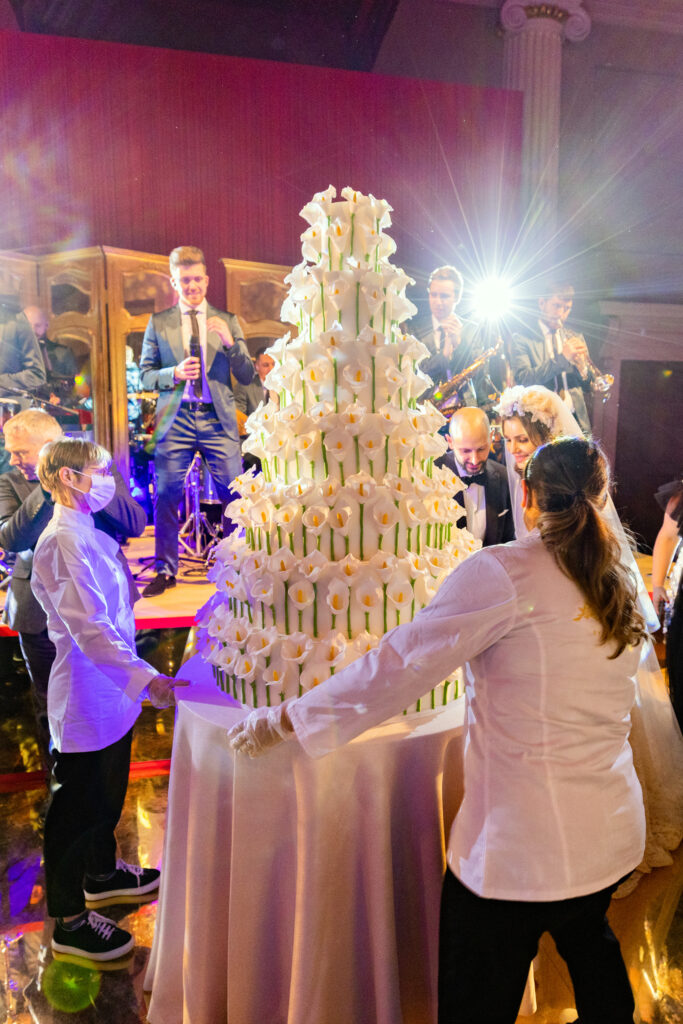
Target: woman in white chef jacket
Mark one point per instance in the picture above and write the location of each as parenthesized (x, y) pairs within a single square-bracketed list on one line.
[(97, 684), (552, 816)]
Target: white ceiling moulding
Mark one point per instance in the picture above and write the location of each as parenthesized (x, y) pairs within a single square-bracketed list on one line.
[(646, 15)]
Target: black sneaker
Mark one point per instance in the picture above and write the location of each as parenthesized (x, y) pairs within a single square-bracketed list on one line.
[(158, 585), (95, 938), (128, 884)]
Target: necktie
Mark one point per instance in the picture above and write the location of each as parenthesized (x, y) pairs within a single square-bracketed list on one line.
[(196, 351), (437, 339)]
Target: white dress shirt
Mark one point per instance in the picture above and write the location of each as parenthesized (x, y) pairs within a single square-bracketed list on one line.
[(97, 679), (186, 325), (552, 806), (475, 505)]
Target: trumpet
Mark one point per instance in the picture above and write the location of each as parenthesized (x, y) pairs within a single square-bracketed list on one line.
[(601, 383), (445, 396)]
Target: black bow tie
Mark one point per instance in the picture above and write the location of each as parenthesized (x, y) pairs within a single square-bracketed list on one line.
[(478, 478)]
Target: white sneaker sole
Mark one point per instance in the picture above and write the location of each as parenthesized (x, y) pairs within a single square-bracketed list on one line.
[(122, 895)]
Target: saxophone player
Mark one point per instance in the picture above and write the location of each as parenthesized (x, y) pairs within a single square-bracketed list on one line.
[(453, 343)]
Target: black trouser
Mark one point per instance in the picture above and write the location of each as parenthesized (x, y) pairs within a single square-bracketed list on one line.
[(39, 652), (486, 947), (88, 790)]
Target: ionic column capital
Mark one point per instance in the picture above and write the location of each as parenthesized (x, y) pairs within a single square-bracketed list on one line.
[(572, 20)]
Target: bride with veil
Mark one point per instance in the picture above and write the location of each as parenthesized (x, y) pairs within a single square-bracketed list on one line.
[(530, 416)]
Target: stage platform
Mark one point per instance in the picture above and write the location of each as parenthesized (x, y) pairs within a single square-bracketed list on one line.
[(174, 608)]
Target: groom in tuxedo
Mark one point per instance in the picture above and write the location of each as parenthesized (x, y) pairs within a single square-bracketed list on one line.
[(188, 354), (486, 499), (546, 353)]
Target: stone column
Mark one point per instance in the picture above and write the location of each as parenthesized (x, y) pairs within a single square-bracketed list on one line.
[(534, 33)]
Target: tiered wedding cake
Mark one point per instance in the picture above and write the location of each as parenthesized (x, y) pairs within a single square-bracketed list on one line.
[(350, 528)]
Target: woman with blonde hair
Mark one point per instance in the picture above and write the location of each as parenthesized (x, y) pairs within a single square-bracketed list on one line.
[(552, 816), (97, 684)]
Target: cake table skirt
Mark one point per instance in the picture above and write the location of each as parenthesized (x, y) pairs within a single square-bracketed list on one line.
[(296, 891)]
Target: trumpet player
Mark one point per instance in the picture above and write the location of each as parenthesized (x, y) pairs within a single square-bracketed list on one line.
[(547, 353)]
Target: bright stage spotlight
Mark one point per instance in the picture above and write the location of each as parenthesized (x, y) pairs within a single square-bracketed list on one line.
[(491, 299)]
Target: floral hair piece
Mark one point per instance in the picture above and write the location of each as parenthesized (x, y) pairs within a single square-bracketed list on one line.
[(537, 402)]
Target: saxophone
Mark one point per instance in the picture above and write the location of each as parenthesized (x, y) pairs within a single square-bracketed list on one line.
[(445, 397)]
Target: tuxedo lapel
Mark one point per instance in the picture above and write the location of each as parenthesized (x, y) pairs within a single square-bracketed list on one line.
[(491, 493)]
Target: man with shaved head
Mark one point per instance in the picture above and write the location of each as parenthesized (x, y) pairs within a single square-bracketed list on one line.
[(487, 496)]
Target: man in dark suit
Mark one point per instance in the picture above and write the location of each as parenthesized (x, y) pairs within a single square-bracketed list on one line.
[(21, 367), (60, 369), (487, 505), (546, 353), (25, 511), (188, 354), (453, 344), (248, 397)]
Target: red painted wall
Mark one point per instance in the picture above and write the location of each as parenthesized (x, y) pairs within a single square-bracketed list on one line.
[(146, 149)]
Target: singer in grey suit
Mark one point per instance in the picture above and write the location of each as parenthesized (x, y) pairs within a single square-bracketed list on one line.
[(196, 405)]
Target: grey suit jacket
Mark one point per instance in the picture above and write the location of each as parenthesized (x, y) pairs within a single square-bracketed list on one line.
[(24, 514), (530, 365), (162, 350)]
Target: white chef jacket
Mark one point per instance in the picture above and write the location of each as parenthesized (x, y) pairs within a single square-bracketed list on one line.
[(552, 807), (97, 679)]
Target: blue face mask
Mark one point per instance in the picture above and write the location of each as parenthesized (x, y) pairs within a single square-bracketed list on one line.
[(102, 490)]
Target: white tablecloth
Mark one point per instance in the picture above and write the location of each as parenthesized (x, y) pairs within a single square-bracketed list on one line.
[(301, 891)]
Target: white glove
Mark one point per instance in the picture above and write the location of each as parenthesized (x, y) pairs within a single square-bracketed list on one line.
[(260, 730)]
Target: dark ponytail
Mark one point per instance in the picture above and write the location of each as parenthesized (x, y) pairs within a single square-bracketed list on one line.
[(568, 480)]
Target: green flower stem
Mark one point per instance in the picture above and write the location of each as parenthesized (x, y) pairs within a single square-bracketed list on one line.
[(418, 706), (353, 228), (291, 542), (372, 363), (410, 534), (312, 465), (296, 463), (445, 693), (332, 545), (253, 693), (398, 616), (304, 534), (347, 544), (396, 540), (286, 607), (279, 536), (386, 455), (334, 622), (429, 534), (275, 464), (287, 463), (417, 538), (263, 616), (362, 517), (400, 466), (367, 621), (244, 692), (336, 398), (322, 303), (268, 542), (380, 538), (322, 444), (249, 613), (384, 591), (301, 619), (357, 306), (348, 618), (315, 610), (433, 699)]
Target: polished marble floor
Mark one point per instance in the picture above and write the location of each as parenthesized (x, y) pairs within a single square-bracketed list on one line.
[(35, 989)]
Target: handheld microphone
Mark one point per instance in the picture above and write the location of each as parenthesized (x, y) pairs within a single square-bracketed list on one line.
[(194, 346)]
